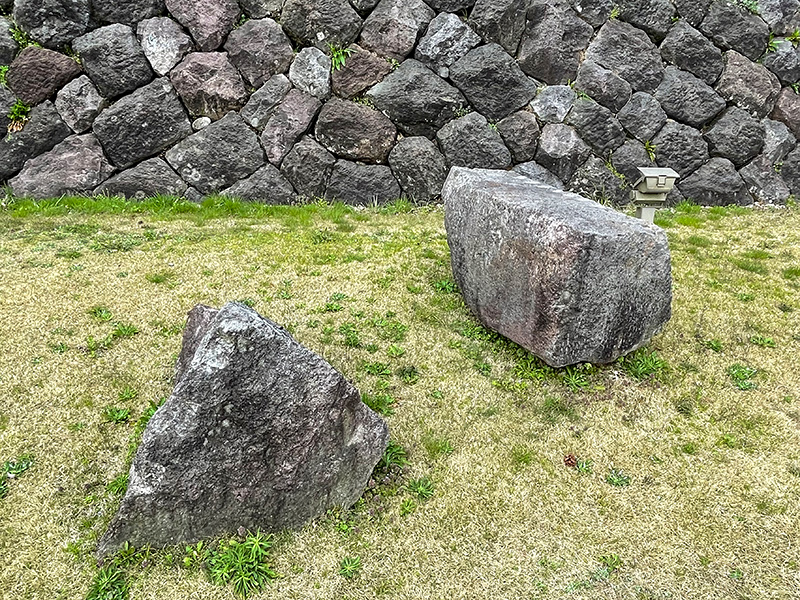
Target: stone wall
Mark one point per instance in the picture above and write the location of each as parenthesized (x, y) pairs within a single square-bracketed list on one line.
[(365, 100)]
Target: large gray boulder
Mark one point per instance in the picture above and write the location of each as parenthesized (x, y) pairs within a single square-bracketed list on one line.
[(308, 167), (142, 124), (716, 183), (129, 12), (520, 132), (784, 62), (736, 136), (597, 126), (603, 86), (209, 21), (653, 16), (642, 116), (163, 42), (321, 22), (363, 185), (628, 52), (289, 121), (688, 99), (310, 72), (354, 131), (417, 100), (471, 142), (561, 150), (680, 147), (492, 81), (113, 59), (748, 85), (447, 39), (419, 168), (53, 23), (264, 101), (218, 156), (500, 21), (8, 45), (37, 74), (565, 277), (690, 50), (266, 186), (79, 103), (393, 28), (732, 26), (361, 71), (259, 49), (44, 129), (76, 165), (250, 395), (149, 178), (209, 84)]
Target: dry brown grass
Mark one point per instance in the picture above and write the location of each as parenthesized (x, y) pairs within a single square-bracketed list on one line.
[(712, 510)]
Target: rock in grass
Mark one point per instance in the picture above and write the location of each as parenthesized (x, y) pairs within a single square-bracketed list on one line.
[(147, 179), (259, 433), (568, 279)]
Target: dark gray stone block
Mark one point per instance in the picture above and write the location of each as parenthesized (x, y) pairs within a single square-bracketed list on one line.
[(642, 116), (629, 53), (447, 39), (393, 28), (691, 51), (553, 103), (419, 168), (149, 178), (361, 71), (129, 12), (520, 132), (736, 136), (79, 103), (653, 16), (628, 158), (764, 183), (594, 180), (680, 147), (321, 22), (500, 21), (42, 132), (265, 186), (687, 99), (716, 183), (354, 131), (163, 42), (603, 86), (784, 62), (264, 101), (208, 21), (259, 49), (364, 185), (53, 23), (732, 27), (748, 85), (209, 84), (290, 120), (561, 150), (596, 125), (471, 142), (308, 167)]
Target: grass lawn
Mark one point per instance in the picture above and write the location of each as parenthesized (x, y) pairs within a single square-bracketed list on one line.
[(674, 473)]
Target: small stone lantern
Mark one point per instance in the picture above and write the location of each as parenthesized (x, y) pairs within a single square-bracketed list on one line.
[(651, 190)]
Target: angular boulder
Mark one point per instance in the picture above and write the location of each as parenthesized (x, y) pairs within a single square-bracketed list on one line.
[(218, 156), (417, 100), (264, 101), (787, 110), (447, 39), (142, 124), (79, 103), (736, 136), (596, 125), (129, 12), (500, 21), (113, 59), (363, 185), (732, 26), (310, 72), (290, 120), (163, 42), (208, 21), (688, 99), (629, 157), (471, 142), (362, 69), (561, 150), (259, 49), (653, 16), (520, 132), (553, 103), (266, 186), (492, 81), (642, 116), (763, 183), (308, 167), (716, 183), (209, 84), (691, 51), (778, 140), (53, 23), (44, 129), (748, 85), (394, 26), (628, 52), (249, 395), (149, 178), (784, 62), (76, 165), (603, 86), (680, 147), (419, 168), (565, 277), (321, 22), (37, 74), (354, 131)]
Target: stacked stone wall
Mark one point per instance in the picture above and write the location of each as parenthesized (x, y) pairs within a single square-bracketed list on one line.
[(364, 100)]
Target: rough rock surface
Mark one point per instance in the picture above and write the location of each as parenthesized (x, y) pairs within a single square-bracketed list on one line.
[(419, 168), (653, 16), (778, 140), (520, 132), (691, 51), (266, 186), (553, 103), (417, 100), (310, 72), (736, 136), (147, 179), (597, 126), (680, 148), (596, 181), (716, 183), (492, 81), (363, 185), (447, 39), (500, 21), (361, 71), (628, 52), (209, 84), (321, 22), (8, 45), (354, 131), (290, 120), (603, 86), (784, 62), (629, 157), (535, 171), (568, 279), (790, 171), (561, 150), (642, 116), (264, 101), (113, 59), (7, 101), (731, 26), (308, 168), (471, 142), (208, 21), (748, 85), (76, 164), (688, 99), (259, 49), (53, 23), (79, 103), (250, 395), (258, 9), (163, 42), (218, 156), (393, 28), (128, 12), (142, 124), (787, 110), (44, 130), (694, 11), (37, 74), (552, 43), (763, 183)]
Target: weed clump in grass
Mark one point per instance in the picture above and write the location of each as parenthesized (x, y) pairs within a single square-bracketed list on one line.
[(12, 469), (112, 414), (350, 566), (109, 584), (742, 376), (618, 478), (644, 364), (422, 488), (382, 404), (243, 565)]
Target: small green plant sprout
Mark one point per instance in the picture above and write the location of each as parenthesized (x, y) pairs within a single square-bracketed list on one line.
[(794, 37), (334, 302), (618, 478), (650, 148), (3, 75), (395, 351), (742, 376), (100, 313), (22, 38), (446, 286), (338, 56), (350, 566), (195, 555), (795, 87), (422, 488), (437, 447), (644, 364), (407, 506), (118, 485), (127, 393), (408, 374), (242, 564), (394, 457), (17, 466), (112, 414), (611, 562), (764, 342), (109, 584), (772, 43), (713, 344), (749, 5), (378, 369), (736, 574), (124, 330), (18, 115), (382, 404), (584, 466), (575, 379), (615, 12)]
